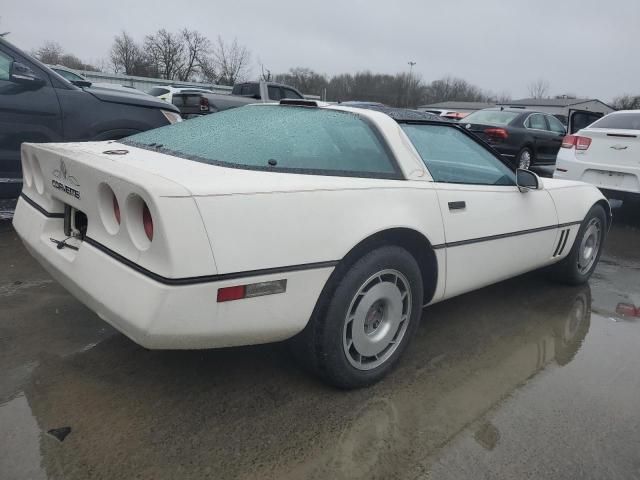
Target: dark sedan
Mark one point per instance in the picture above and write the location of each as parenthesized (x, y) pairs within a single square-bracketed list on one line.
[(525, 137)]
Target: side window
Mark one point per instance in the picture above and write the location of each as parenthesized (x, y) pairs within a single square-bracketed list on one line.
[(288, 93), (537, 122), (452, 157), (274, 93), (250, 90), (555, 125), (5, 66)]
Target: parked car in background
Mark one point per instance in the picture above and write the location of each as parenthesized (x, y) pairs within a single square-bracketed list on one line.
[(328, 225), (450, 114), (39, 105), (605, 154), (166, 92), (525, 137), (195, 104)]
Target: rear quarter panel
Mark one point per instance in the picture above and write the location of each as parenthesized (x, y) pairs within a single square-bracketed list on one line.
[(255, 231)]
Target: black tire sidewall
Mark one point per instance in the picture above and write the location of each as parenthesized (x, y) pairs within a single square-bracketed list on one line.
[(333, 364)]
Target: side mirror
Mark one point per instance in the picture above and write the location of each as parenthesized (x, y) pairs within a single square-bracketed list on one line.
[(22, 74), (256, 96), (527, 180)]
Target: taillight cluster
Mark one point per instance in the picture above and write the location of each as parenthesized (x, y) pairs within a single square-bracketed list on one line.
[(134, 213), (497, 133), (581, 143), (204, 104)]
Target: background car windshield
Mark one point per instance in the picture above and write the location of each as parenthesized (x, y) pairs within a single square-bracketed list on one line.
[(302, 139), (623, 121), (491, 117), (452, 157)]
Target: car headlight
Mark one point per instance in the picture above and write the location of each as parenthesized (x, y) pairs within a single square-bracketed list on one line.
[(172, 117)]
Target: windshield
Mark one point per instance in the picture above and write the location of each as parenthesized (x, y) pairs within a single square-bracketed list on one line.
[(492, 117), (297, 139), (621, 121), (72, 77), (157, 91)]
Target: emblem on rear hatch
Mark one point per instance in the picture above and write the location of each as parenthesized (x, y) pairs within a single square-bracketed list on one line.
[(63, 174), (619, 147)]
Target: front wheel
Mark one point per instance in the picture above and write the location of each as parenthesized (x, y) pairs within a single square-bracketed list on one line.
[(357, 334), (578, 266)]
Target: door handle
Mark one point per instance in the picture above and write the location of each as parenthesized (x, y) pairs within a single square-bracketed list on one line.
[(457, 205)]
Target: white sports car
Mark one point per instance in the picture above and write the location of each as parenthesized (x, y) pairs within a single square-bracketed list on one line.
[(332, 225)]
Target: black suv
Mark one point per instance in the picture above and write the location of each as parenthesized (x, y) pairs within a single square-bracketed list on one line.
[(524, 137), (39, 105)]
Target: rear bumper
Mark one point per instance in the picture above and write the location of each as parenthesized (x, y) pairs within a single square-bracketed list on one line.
[(156, 315), (605, 176)]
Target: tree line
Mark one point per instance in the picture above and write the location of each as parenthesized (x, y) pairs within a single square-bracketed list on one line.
[(188, 55)]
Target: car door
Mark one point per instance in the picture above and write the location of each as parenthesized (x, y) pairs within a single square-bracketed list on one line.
[(544, 139), (29, 112), (493, 231), (579, 119), (558, 133)]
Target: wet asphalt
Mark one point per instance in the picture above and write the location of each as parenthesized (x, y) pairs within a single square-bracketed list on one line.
[(523, 379)]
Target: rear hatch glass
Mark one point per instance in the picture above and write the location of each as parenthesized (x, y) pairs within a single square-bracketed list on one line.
[(278, 138)]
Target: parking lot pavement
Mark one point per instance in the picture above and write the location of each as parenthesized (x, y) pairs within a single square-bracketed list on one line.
[(524, 379)]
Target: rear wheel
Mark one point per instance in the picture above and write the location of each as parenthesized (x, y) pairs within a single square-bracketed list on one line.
[(524, 158), (578, 266), (359, 331)]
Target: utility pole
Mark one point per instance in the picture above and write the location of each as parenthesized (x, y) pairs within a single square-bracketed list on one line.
[(411, 64)]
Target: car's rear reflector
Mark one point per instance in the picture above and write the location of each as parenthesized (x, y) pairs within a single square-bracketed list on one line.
[(116, 209), (239, 292), (147, 222), (581, 143)]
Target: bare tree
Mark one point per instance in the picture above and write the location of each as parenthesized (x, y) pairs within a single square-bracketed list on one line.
[(49, 53), (539, 88), (231, 61), (126, 56), (196, 50), (165, 50), (304, 79), (265, 73), (627, 102)]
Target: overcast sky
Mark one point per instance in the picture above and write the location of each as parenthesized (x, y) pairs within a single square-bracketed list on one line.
[(585, 47)]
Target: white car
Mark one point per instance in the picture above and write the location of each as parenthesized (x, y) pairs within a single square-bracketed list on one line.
[(334, 225), (165, 92), (605, 154)]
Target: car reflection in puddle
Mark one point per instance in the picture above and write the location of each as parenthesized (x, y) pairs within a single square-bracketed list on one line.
[(250, 412)]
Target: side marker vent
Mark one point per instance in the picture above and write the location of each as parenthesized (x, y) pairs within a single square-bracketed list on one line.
[(564, 235)]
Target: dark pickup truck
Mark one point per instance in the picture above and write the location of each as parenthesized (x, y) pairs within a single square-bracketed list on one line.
[(39, 105), (193, 104)]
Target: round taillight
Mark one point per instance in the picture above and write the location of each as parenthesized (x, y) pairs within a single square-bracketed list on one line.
[(116, 209), (147, 221)]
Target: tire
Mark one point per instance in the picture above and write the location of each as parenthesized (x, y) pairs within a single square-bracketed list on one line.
[(524, 158), (576, 268), (364, 319)]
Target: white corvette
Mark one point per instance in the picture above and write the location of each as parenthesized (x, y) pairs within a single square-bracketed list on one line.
[(328, 224)]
